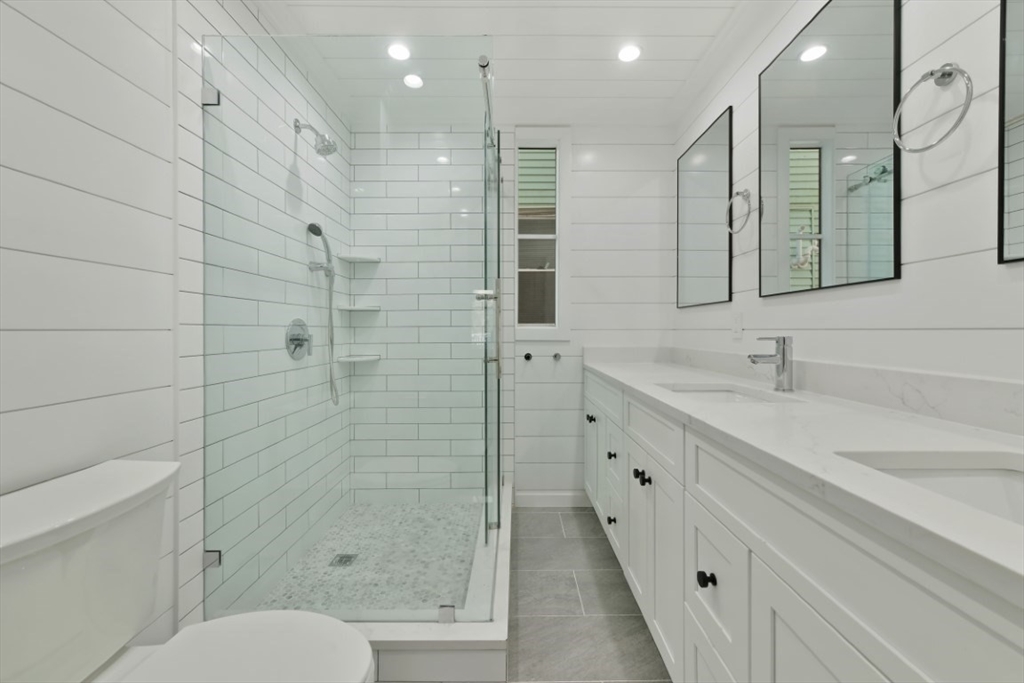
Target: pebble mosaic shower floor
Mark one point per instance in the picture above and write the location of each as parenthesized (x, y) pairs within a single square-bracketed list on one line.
[(407, 557)]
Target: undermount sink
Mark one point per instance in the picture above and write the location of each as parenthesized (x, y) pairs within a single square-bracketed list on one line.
[(989, 481), (728, 393)]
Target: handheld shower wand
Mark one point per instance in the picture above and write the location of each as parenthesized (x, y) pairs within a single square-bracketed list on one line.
[(328, 268)]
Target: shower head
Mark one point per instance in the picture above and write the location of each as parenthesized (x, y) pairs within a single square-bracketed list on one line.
[(317, 231), (322, 145)]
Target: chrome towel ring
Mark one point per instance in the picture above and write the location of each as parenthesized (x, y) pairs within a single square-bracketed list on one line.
[(942, 76), (745, 195)]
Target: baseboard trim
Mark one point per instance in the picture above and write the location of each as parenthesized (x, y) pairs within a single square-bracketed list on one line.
[(553, 499)]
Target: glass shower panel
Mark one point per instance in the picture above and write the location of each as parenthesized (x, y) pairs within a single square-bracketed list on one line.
[(337, 198), (493, 351)]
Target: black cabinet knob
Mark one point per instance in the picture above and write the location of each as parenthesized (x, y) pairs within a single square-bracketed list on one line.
[(636, 473), (611, 520), (591, 418), (612, 455), (528, 356), (644, 479), (704, 579)]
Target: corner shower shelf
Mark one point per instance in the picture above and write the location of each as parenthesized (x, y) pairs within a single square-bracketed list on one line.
[(358, 308), (357, 359), (353, 258)]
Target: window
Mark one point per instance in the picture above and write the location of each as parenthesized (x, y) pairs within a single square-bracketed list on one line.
[(542, 175), (804, 218), (537, 240)]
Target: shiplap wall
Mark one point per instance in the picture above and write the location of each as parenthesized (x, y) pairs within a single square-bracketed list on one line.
[(622, 290), (955, 310), (87, 248)]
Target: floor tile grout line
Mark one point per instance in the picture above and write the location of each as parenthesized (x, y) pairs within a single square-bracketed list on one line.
[(562, 523), (579, 593)]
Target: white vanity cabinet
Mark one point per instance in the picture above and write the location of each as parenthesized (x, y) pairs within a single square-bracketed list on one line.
[(743, 576)]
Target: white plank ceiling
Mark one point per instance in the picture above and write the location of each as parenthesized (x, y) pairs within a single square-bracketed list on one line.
[(554, 61)]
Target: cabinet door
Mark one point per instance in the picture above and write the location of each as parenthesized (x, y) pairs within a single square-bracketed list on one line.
[(703, 665), (721, 607), (791, 642), (616, 524), (667, 542), (638, 513), (594, 437)]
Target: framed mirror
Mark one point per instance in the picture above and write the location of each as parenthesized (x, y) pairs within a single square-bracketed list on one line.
[(1011, 133), (703, 240), (829, 171)]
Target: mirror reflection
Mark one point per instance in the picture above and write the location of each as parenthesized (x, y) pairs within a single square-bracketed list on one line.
[(1012, 237), (703, 183), (829, 174)]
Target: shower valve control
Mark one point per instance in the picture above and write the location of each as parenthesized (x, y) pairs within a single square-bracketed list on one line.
[(298, 341)]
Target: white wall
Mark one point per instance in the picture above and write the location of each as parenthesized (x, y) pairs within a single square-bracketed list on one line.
[(955, 310), (87, 248), (621, 293)]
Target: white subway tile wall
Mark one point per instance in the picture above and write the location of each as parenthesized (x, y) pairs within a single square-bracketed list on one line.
[(276, 447), (418, 413)]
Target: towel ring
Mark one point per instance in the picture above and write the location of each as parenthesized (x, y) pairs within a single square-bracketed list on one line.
[(745, 194), (942, 76)]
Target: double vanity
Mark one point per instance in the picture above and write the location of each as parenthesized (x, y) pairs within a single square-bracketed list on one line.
[(792, 536)]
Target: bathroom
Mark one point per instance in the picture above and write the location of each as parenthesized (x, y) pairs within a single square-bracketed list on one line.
[(414, 341)]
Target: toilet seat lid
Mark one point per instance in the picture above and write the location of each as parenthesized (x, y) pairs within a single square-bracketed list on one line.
[(261, 647)]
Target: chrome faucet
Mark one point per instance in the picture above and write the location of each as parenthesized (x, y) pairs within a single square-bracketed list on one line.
[(782, 359)]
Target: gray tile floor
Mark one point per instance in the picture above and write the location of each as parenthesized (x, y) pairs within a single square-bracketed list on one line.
[(572, 615)]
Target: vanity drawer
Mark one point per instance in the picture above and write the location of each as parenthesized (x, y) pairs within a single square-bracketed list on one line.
[(659, 436), (606, 398), (722, 605), (616, 458)]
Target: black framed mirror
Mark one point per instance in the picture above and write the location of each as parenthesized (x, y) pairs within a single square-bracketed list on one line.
[(1011, 133), (703, 240), (829, 169)]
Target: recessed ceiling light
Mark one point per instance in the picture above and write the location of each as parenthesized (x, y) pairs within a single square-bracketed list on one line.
[(398, 51), (629, 53), (848, 158), (413, 81), (812, 53), (442, 160)]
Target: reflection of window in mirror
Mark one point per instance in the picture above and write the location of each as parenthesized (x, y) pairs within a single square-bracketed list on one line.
[(827, 169), (1011, 239)]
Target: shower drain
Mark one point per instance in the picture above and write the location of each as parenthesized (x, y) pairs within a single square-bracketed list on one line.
[(342, 560)]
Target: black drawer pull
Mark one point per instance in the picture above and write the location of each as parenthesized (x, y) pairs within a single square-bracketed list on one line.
[(611, 520), (612, 455), (704, 579)]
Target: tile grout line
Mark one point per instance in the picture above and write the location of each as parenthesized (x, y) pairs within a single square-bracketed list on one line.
[(579, 594), (561, 522)]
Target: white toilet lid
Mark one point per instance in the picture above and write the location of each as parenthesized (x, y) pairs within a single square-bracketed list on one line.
[(261, 647)]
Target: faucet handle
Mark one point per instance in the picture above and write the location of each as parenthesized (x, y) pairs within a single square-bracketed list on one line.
[(785, 339)]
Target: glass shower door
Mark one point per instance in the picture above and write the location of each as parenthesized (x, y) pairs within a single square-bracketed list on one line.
[(492, 331)]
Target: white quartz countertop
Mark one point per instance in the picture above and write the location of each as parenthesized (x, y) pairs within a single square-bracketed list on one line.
[(798, 441)]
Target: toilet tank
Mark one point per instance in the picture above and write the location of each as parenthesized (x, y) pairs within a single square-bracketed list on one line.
[(78, 568)]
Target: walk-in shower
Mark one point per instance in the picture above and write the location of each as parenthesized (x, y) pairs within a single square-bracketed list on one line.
[(360, 479)]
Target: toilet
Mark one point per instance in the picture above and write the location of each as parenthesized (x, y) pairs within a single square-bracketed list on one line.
[(78, 580)]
